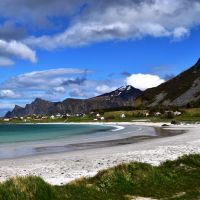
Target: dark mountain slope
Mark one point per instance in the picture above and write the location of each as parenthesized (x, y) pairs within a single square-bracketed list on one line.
[(179, 91)]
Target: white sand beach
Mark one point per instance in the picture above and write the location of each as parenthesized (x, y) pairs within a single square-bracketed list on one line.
[(61, 168)]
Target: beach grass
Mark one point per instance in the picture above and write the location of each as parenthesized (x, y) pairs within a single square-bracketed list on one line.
[(172, 180)]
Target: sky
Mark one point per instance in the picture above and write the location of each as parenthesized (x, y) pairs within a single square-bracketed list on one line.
[(57, 49)]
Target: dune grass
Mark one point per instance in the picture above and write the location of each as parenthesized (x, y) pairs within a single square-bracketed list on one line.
[(172, 180)]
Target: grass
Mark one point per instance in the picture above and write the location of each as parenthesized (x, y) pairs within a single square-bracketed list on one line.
[(172, 180), (188, 115)]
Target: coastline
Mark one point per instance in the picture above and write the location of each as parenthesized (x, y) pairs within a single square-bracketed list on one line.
[(64, 167)]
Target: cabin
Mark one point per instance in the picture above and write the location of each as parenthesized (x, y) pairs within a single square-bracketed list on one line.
[(157, 114), (59, 115), (177, 113), (123, 115), (52, 117)]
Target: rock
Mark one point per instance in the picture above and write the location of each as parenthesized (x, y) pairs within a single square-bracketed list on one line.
[(164, 125), (175, 122)]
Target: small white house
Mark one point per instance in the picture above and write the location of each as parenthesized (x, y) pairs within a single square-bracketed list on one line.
[(58, 115), (52, 117), (6, 120), (157, 114), (95, 119), (177, 113), (102, 118), (98, 115), (123, 115), (44, 117)]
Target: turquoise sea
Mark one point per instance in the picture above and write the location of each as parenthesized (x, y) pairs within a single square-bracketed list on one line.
[(19, 140), (10, 133)]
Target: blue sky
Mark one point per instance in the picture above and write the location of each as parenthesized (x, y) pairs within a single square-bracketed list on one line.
[(78, 49)]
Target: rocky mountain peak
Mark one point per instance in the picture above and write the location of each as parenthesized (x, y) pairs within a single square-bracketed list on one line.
[(125, 88), (17, 107), (118, 98)]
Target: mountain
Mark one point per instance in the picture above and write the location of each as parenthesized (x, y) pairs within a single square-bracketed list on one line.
[(181, 90), (123, 96)]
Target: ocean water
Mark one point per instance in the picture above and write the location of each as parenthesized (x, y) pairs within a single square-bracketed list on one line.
[(12, 133), (20, 140)]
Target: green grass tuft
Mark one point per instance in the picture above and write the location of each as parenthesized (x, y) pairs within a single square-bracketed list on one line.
[(172, 180)]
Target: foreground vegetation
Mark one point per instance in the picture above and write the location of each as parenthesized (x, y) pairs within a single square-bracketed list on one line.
[(174, 180)]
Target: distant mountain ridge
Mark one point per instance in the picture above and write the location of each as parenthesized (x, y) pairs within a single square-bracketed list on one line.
[(181, 90), (123, 96)]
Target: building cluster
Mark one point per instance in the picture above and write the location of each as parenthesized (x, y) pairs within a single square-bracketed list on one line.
[(40, 117), (165, 113), (93, 115)]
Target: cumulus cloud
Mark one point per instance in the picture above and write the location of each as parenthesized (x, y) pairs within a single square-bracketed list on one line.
[(17, 49), (120, 20), (45, 79), (59, 89), (78, 92), (144, 81), (104, 89), (180, 33), (55, 85), (52, 84), (52, 72), (76, 23), (7, 94), (5, 62)]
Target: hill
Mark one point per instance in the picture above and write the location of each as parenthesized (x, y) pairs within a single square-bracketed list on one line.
[(182, 90), (123, 96)]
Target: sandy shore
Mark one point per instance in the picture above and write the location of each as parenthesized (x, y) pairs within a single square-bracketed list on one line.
[(64, 167)]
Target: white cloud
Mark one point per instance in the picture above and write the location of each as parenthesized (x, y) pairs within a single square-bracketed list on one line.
[(53, 72), (5, 62), (52, 84), (56, 84), (17, 49), (45, 79), (59, 89), (104, 89), (180, 33), (7, 94), (126, 20), (144, 81)]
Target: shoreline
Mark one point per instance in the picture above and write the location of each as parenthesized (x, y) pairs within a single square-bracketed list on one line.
[(63, 167), (117, 135)]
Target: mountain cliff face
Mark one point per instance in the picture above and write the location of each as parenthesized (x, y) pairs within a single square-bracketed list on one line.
[(123, 96), (181, 90)]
